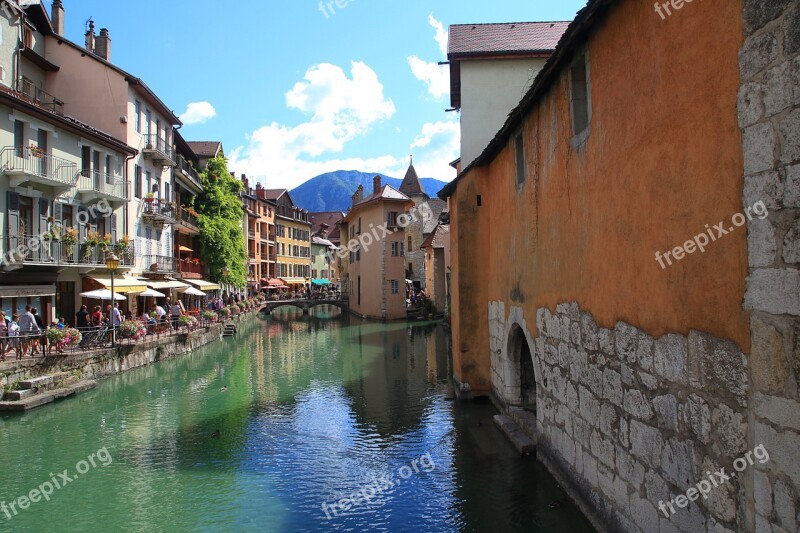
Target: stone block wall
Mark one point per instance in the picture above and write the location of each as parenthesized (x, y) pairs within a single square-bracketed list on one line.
[(769, 115)]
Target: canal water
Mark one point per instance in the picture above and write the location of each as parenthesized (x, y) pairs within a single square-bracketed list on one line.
[(297, 424)]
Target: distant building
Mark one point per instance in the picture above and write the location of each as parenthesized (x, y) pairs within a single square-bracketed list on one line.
[(420, 227), (491, 67), (437, 266), (259, 234), (292, 239), (376, 257), (325, 225)]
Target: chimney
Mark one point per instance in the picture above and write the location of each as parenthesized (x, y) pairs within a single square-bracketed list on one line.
[(359, 195), (376, 184), (90, 37), (57, 14), (102, 46), (246, 183)]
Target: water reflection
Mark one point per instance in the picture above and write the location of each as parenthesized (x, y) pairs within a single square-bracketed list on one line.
[(257, 432)]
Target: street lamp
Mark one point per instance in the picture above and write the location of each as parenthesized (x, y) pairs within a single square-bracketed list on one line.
[(112, 264)]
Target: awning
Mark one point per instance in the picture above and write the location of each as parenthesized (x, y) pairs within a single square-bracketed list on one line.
[(122, 284), (184, 249), (203, 285), (167, 284), (294, 281), (320, 282), (273, 282), (23, 291)]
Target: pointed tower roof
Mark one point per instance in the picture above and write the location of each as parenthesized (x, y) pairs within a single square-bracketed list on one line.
[(411, 185)]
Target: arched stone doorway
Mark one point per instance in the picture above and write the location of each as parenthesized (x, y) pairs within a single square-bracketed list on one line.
[(521, 358)]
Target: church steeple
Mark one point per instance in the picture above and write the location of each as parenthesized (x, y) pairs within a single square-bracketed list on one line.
[(411, 185)]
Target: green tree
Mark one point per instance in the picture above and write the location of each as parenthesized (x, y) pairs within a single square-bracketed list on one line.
[(220, 218)]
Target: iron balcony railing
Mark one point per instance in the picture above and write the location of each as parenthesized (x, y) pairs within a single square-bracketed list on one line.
[(159, 264), (29, 89), (160, 210), (190, 267), (37, 165), (187, 169), (104, 184), (157, 147), (45, 249), (187, 218)]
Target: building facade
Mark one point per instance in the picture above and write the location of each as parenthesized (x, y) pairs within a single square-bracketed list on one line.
[(259, 213), (65, 189), (376, 261), (640, 360), (292, 240)]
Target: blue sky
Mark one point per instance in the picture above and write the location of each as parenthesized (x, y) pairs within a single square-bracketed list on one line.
[(293, 92)]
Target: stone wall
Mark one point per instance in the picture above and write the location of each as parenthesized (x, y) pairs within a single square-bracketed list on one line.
[(628, 421), (103, 363), (769, 115)]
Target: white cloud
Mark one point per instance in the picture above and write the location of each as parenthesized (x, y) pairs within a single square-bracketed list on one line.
[(198, 113), (441, 34), (339, 109), (437, 145), (435, 76)]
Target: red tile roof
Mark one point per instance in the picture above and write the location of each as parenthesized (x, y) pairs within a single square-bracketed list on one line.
[(331, 218), (505, 38), (207, 149)]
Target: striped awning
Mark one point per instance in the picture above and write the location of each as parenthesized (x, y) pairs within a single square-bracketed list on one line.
[(203, 285), (122, 284), (294, 281)]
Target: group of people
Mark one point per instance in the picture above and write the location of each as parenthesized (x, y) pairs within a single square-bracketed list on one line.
[(415, 297), (86, 321), (158, 314), (22, 333)]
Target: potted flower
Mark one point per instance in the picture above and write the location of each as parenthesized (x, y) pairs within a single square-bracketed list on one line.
[(149, 198), (36, 151), (72, 337), (210, 316), (122, 245), (225, 312), (196, 260)]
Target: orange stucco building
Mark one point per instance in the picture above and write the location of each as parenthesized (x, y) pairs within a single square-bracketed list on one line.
[(582, 302)]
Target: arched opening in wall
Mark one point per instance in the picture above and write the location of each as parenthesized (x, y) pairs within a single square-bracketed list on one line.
[(522, 358)]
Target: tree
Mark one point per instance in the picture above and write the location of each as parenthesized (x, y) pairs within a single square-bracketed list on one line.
[(220, 212)]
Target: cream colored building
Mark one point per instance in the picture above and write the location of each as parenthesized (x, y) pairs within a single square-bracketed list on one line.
[(376, 252)]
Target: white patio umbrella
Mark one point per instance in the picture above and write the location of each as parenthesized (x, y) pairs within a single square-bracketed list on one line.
[(102, 294), (191, 291), (153, 293)]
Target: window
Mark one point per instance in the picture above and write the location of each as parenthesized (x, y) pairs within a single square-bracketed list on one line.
[(148, 119), (359, 226), (394, 249), (167, 193), (409, 243), (402, 251), (395, 287), (19, 133), (519, 154), (148, 181), (137, 182), (137, 116), (391, 219), (579, 95), (109, 170), (86, 160)]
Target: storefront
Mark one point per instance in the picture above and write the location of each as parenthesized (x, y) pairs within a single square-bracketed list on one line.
[(14, 298)]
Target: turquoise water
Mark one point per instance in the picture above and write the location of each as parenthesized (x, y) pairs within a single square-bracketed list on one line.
[(268, 431)]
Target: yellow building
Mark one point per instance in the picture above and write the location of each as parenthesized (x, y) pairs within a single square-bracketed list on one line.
[(292, 240)]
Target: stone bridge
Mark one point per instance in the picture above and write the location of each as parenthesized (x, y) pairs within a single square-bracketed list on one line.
[(305, 304)]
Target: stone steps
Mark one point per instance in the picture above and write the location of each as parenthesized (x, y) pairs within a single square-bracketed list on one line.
[(44, 398), (521, 441), (43, 382)]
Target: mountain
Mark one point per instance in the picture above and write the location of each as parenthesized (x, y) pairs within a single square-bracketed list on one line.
[(333, 191)]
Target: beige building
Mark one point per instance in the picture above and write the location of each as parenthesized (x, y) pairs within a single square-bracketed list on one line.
[(437, 266), (491, 66), (292, 239), (376, 252), (125, 107), (65, 191)]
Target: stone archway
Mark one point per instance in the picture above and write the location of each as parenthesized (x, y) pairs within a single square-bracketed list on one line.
[(521, 368)]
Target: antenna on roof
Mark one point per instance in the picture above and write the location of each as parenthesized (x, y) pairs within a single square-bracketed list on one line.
[(412, 160), (88, 22)]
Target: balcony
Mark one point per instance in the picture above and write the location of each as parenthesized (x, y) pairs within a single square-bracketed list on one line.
[(36, 250), (24, 164), (93, 185), (188, 220), (158, 264), (251, 233), (29, 90), (183, 167), (157, 149), (188, 269), (158, 211)]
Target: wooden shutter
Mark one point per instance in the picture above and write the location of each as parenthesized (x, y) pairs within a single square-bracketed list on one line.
[(12, 216), (113, 224), (80, 217)]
